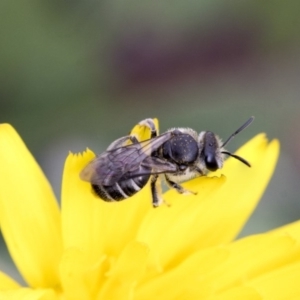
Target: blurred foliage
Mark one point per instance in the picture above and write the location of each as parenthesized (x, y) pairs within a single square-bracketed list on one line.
[(82, 73)]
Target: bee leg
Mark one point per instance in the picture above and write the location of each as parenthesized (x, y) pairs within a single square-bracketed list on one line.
[(180, 189), (122, 142), (156, 192), (119, 142), (133, 139), (150, 124)]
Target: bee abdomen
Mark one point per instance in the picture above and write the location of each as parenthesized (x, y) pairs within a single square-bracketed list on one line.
[(102, 193), (121, 190), (110, 193)]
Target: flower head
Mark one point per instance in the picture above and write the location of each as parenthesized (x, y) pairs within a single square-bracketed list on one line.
[(91, 249)]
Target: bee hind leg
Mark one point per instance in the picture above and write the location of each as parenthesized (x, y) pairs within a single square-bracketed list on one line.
[(131, 137), (151, 125), (119, 142), (122, 142)]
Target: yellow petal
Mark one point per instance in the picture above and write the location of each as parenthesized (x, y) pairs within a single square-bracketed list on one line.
[(238, 293), (7, 283), (249, 258), (125, 273), (88, 222), (281, 284), (80, 279), (28, 294), (29, 213), (237, 270), (179, 225), (182, 282)]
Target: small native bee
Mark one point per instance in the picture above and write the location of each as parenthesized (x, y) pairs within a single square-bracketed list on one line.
[(178, 155)]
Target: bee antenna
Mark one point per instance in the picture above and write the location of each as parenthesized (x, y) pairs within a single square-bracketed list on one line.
[(238, 158), (238, 131)]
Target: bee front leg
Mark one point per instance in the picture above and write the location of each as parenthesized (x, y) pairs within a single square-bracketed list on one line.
[(156, 191), (180, 189)]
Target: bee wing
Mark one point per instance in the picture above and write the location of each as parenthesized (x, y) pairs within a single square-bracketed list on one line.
[(155, 166), (110, 166)]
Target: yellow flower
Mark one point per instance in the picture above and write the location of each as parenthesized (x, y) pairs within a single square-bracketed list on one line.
[(91, 249)]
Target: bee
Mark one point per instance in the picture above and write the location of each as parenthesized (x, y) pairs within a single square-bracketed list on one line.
[(178, 155)]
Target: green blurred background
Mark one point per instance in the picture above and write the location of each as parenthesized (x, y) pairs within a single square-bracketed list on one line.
[(82, 73)]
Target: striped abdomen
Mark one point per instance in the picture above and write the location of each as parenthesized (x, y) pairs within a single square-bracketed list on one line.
[(122, 189)]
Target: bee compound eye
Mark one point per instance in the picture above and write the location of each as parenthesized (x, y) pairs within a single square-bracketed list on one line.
[(211, 163)]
